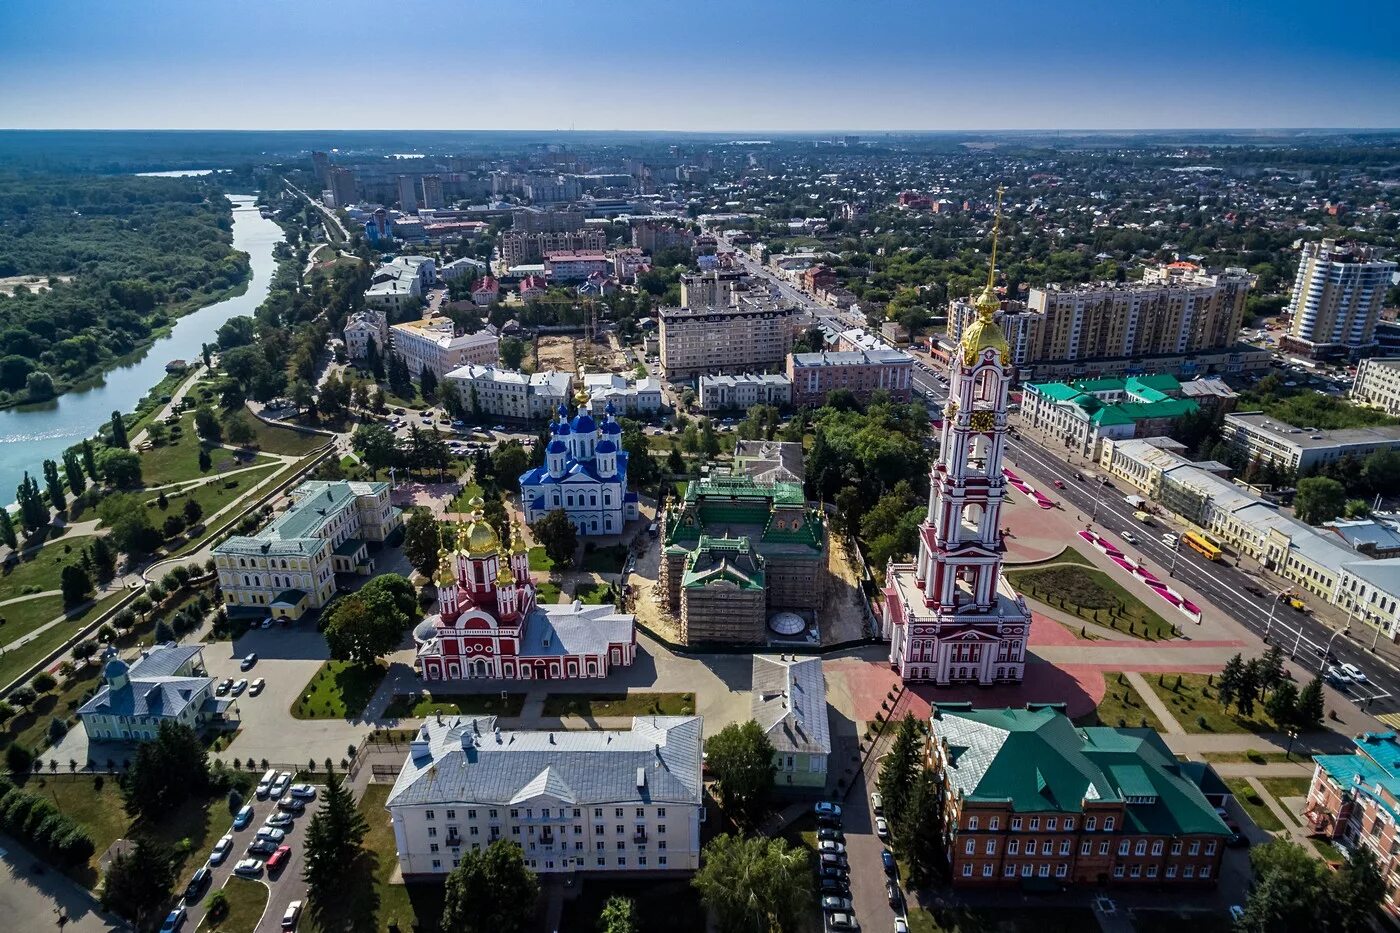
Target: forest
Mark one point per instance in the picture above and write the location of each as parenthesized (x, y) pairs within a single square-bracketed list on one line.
[(122, 258)]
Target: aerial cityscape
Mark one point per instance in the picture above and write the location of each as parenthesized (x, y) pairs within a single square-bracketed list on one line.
[(809, 487)]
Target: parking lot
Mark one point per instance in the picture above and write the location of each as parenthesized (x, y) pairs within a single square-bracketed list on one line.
[(284, 885)]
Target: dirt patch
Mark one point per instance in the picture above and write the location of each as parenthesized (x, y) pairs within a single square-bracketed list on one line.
[(556, 353), (35, 283), (843, 615)]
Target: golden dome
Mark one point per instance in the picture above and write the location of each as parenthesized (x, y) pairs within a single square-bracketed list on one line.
[(480, 537), (985, 333), (517, 541), (504, 577), (445, 576)]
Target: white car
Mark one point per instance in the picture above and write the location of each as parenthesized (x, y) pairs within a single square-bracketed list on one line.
[(882, 829), (272, 834), (900, 925), (302, 791), (221, 850), (1337, 675), (279, 786), (831, 846), (1129, 537), (877, 803), (248, 866), (1354, 672)]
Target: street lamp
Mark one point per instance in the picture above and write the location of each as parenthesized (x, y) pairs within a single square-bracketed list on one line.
[(1098, 492), (1274, 600), (1171, 571), (1326, 651), (1292, 734)]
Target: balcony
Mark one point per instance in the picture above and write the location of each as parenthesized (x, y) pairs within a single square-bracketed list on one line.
[(639, 836)]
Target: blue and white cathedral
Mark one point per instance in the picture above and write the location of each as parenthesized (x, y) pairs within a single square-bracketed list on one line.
[(584, 473)]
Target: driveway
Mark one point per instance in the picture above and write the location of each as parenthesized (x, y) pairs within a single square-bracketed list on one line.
[(863, 848), (284, 887), (33, 901)]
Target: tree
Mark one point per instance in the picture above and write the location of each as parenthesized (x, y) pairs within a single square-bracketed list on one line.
[(166, 771), (920, 834), (357, 632), (1271, 671), (512, 352), (33, 513), (334, 855), (1381, 471), (54, 487), (89, 460), (138, 881), (422, 540), (428, 383), (119, 430), (400, 379), (709, 443), (206, 424), (1319, 499), (119, 468), (7, 529), (740, 757), (237, 429), (755, 884), (1310, 709), (558, 537), (1282, 705), (675, 462), (73, 472), (619, 916), (510, 460), (899, 770), (376, 446), (1357, 892), (75, 584), (490, 891), (1248, 690), (397, 594), (192, 511), (1227, 684)]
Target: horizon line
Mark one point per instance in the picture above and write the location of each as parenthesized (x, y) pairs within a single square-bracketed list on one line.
[(781, 132)]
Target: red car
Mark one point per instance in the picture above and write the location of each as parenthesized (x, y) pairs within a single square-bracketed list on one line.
[(1059, 485), (279, 858)]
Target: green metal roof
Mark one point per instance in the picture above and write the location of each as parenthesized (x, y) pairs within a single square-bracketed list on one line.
[(724, 560), (1058, 391), (1039, 761), (349, 547), (1161, 382)]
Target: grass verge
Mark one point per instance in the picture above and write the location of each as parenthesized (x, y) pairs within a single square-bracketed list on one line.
[(1093, 596), (247, 900), (619, 704), (338, 690), (404, 706), (1122, 706), (1193, 701), (1254, 805)]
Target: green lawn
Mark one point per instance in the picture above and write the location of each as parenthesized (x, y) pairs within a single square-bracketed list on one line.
[(22, 618), (1281, 787), (604, 559), (593, 594), (39, 570), (30, 728), (460, 502), (539, 561), (1329, 852), (12, 663), (1196, 707), (411, 907), (246, 902), (1252, 756), (454, 704), (1254, 805), (1092, 596), (178, 459), (547, 592), (1306, 408), (1070, 555), (640, 703), (1121, 706), (338, 690), (275, 439), (245, 483), (99, 810), (211, 496), (1003, 919)]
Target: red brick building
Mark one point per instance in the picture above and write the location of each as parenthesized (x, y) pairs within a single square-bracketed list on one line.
[(813, 375), (1354, 801), (1038, 802)]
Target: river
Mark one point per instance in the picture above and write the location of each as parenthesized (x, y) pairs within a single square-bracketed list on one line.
[(34, 433)]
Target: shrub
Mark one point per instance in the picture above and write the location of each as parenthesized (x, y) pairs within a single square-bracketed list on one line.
[(57, 730), (217, 905)]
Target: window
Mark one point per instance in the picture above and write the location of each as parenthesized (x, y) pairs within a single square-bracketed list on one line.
[(1135, 872), (1210, 847), (431, 814), (1013, 847), (1044, 870), (661, 844), (1205, 871), (515, 830), (514, 814), (1152, 871), (1015, 824), (660, 813), (1189, 871), (471, 814), (640, 813), (437, 863), (1009, 871), (473, 831), (967, 869), (1123, 847), (1026, 870), (1103, 847), (1157, 847), (1030, 847), (622, 860), (1061, 870), (1195, 847), (598, 813), (661, 860), (1069, 823), (994, 823), (1089, 824), (493, 814), (451, 814), (1084, 847), (600, 861), (621, 844), (991, 847), (1140, 848), (660, 829), (972, 823), (618, 813), (433, 847), (1171, 871), (620, 829), (1050, 824), (1176, 847), (432, 832), (1035, 824), (1064, 847), (987, 870), (577, 813), (1108, 824), (1118, 871), (971, 847)]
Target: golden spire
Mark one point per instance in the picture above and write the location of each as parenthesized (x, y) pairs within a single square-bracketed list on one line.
[(987, 304), (517, 540), (445, 576), (985, 333)]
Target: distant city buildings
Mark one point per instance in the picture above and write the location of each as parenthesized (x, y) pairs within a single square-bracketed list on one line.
[(632, 397), (433, 197), (398, 286), (653, 235), (363, 329), (408, 194), (434, 344), (627, 801), (1337, 298), (290, 566), (574, 265), (738, 393), (861, 372), (506, 393), (519, 248), (1378, 383)]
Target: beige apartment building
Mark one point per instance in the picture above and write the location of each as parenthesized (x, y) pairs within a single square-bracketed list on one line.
[(752, 336), (1337, 298), (1378, 383), (1178, 318), (430, 343), (521, 248)]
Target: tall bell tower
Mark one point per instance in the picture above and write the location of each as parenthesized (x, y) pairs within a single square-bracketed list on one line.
[(950, 616)]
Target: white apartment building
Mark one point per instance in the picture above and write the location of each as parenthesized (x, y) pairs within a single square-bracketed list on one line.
[(507, 393), (460, 267), (362, 329), (398, 286), (431, 343), (754, 335), (628, 396), (1295, 447), (290, 566), (1337, 298), (574, 265), (1378, 383), (730, 393), (599, 801)]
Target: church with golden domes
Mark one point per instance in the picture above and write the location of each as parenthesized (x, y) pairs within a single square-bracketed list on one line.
[(489, 624)]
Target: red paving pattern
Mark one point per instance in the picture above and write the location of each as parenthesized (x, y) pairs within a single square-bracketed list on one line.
[(1079, 687)]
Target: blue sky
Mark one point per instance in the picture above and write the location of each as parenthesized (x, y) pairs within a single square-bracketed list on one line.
[(715, 65)]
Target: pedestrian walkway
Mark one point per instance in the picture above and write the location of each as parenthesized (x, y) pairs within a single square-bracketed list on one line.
[(170, 407), (1154, 703), (57, 620)]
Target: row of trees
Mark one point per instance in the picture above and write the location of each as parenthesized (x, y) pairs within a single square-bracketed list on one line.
[(1294, 892), (35, 821), (912, 795), (1263, 681)]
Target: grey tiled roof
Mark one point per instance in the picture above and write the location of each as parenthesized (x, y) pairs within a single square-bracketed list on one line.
[(789, 702), (147, 696), (165, 660), (575, 628), (464, 760)]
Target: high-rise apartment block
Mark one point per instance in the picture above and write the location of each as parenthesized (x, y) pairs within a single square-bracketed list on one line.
[(537, 221), (1337, 299), (518, 248), (754, 335), (1179, 318), (341, 184), (408, 194), (715, 289), (433, 197)]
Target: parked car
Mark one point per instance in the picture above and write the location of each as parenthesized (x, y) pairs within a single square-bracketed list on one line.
[(834, 871), (892, 894), (173, 920), (1354, 672), (831, 832), (882, 829), (891, 868), (280, 821), (842, 921), (261, 847), (835, 886), (239, 686), (291, 805), (279, 786), (834, 859), (250, 867), (1059, 484), (197, 884), (221, 850), (291, 915), (828, 809), (836, 902), (248, 661), (243, 817), (901, 925), (271, 833), (279, 858), (224, 686), (877, 803), (256, 687), (302, 791), (826, 846)]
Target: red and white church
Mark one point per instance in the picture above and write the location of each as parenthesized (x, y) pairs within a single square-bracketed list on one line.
[(951, 617), (489, 625)]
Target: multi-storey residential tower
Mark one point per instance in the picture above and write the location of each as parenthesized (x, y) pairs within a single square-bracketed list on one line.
[(1337, 299), (952, 617)]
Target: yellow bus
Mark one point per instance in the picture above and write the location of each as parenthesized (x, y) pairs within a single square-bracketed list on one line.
[(1201, 545)]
